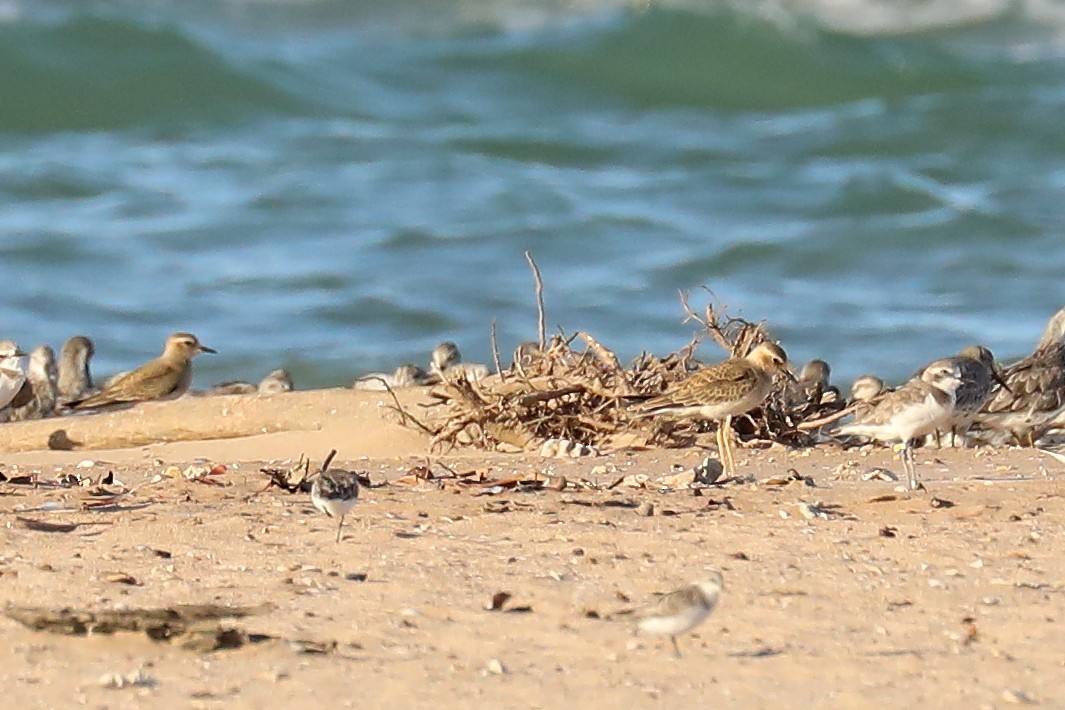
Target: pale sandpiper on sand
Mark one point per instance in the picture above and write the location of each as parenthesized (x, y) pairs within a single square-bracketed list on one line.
[(445, 363), (335, 492), (37, 398), (919, 407), (406, 375), (74, 379), (721, 391), (275, 382), (166, 377), (681, 610), (865, 389), (12, 376)]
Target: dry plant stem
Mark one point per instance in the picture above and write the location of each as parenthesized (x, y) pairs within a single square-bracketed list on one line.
[(541, 315), (495, 353), (404, 415), (328, 460)]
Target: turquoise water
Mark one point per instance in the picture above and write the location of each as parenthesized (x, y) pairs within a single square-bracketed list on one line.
[(337, 186)]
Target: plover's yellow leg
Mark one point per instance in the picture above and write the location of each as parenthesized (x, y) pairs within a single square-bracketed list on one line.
[(676, 648), (340, 527), (721, 447), (725, 442)]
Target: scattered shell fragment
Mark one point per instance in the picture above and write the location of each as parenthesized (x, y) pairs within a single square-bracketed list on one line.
[(879, 474), (495, 666), (564, 448), (135, 679), (812, 511)]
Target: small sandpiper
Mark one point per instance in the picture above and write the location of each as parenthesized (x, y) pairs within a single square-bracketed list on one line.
[(406, 375), (979, 375), (918, 407), (275, 382), (335, 492), (12, 376), (37, 398), (811, 388), (681, 610), (445, 363), (74, 379), (722, 391), (166, 377)]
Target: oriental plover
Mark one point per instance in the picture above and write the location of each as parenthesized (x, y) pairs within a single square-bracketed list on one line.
[(721, 391), (166, 377), (919, 407), (681, 610), (335, 492)]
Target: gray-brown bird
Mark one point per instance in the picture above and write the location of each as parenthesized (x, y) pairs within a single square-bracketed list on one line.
[(166, 377), (275, 382), (722, 391), (979, 375), (1033, 398), (74, 380)]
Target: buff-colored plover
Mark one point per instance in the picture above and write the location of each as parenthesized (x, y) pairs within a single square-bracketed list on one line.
[(681, 610), (166, 377), (918, 407), (335, 492), (721, 391)]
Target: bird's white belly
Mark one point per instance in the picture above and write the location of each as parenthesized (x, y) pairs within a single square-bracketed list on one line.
[(922, 419), (9, 387), (675, 624), (334, 507)]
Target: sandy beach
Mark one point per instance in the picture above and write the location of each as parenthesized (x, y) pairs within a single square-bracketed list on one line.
[(867, 597)]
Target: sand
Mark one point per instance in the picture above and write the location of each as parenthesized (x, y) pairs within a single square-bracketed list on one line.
[(889, 599)]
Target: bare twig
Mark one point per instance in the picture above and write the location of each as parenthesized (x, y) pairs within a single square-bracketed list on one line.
[(495, 353), (541, 320), (404, 415), (328, 460)]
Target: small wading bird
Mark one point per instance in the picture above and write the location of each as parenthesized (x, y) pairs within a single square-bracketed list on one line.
[(75, 382), (335, 492), (166, 377), (918, 407), (679, 611), (12, 376), (1032, 399), (721, 391)]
